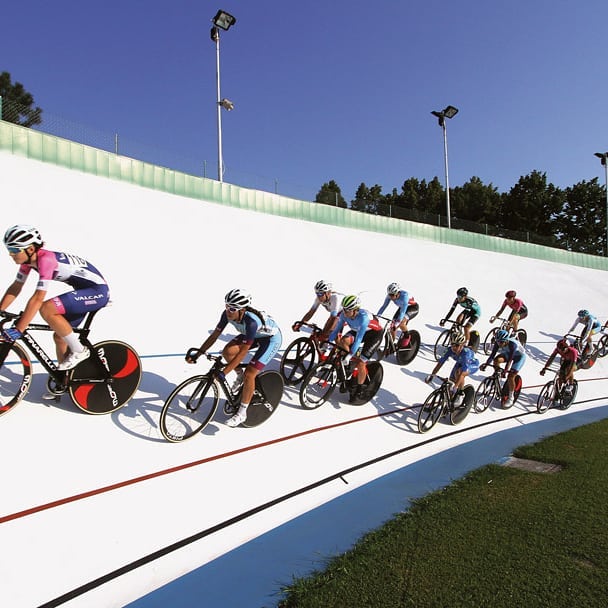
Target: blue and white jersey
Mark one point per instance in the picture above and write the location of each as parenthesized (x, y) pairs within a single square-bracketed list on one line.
[(401, 302), (591, 326), (511, 351), (465, 360), (253, 327), (360, 323)]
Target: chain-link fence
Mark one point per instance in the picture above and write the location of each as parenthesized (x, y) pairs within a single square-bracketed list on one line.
[(112, 142)]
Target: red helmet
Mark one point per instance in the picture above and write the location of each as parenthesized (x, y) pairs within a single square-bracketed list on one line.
[(510, 294), (562, 344)]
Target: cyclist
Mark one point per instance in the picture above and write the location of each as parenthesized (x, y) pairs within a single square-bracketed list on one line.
[(63, 312), (518, 312), (510, 352), (361, 341), (591, 327), (466, 364), (567, 367), (407, 309), (330, 300), (256, 330), (469, 316)]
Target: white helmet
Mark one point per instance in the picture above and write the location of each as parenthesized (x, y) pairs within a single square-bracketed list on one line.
[(322, 286), (22, 236), (393, 289), (237, 298)]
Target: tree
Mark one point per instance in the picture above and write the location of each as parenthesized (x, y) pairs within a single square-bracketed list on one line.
[(17, 103), (476, 202), (582, 223), (368, 200), (330, 194)]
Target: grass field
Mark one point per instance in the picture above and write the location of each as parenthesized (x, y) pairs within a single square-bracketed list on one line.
[(499, 537)]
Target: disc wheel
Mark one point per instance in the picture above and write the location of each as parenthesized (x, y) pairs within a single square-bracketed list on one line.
[(460, 412), (567, 398), (406, 354), (189, 408)]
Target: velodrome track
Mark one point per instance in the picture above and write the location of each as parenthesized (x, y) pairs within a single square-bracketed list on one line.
[(100, 511)]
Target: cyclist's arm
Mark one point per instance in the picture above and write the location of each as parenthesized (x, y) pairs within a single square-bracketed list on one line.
[(11, 294), (32, 307), (573, 326), (308, 316), (383, 307), (330, 325), (550, 359), (451, 310), (210, 341), (501, 309)]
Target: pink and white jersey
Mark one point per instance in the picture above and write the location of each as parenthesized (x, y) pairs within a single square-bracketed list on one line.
[(63, 267)]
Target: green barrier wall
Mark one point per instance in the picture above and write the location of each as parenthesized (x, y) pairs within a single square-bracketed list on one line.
[(48, 148)]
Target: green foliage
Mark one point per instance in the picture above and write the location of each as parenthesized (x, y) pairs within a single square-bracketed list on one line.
[(330, 194), (368, 200), (17, 103)]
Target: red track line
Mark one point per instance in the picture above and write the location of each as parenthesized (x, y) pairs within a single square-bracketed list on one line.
[(181, 467)]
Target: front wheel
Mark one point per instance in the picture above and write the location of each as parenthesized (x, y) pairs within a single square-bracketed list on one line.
[(297, 361), (430, 411), (546, 397), (189, 408), (488, 343), (106, 380), (442, 344), (602, 347), (15, 375), (484, 395), (521, 336), (318, 386)]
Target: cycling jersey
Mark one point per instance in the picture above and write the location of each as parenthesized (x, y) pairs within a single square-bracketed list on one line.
[(402, 302), (591, 326), (64, 267), (470, 305), (360, 323), (253, 326), (512, 352), (332, 306), (465, 360)]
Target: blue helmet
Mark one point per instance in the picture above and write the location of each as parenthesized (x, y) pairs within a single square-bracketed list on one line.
[(502, 335), (583, 313)]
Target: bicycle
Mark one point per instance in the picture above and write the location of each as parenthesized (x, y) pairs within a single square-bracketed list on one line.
[(520, 335), (323, 378), (100, 384), (586, 358), (192, 404), (441, 402), (602, 344), (405, 347), (445, 339), (556, 391), (492, 388), (300, 356)]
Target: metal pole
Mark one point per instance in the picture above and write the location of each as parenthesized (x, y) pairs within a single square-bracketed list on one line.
[(606, 182), (447, 178), (220, 159)]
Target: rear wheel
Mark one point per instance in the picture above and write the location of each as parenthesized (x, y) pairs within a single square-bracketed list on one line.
[(430, 411), (297, 360), (189, 408), (15, 375), (442, 344), (460, 412), (406, 354), (318, 386), (485, 394), (474, 341), (545, 399), (567, 397), (266, 398)]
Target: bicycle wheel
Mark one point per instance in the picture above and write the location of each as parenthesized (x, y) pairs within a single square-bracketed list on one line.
[(89, 387), (474, 341), (266, 398), (406, 354), (545, 399), (460, 412), (567, 398), (602, 346), (15, 375), (504, 394), (297, 360), (521, 336), (375, 375), (488, 343), (189, 408), (318, 386), (431, 411), (442, 344), (485, 394)]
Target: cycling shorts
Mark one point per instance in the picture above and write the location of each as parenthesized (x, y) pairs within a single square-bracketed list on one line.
[(469, 317), (265, 348), (369, 344), (74, 305)]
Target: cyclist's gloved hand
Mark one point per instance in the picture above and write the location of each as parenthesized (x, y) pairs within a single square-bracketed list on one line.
[(429, 378), (193, 354), (296, 326), (483, 366), (542, 372), (11, 334), (442, 323), (492, 319)]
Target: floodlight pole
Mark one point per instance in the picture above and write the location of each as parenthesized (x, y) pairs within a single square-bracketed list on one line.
[(448, 112), (215, 36), (603, 156)]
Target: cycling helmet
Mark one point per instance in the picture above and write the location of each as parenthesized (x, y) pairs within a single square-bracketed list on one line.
[(502, 335), (351, 303), (562, 344), (322, 286), (510, 294), (462, 292), (237, 298), (457, 339), (393, 289), (583, 313), (22, 236)]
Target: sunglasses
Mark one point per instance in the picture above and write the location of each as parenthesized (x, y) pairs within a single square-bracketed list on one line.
[(320, 294), (15, 249), (232, 309)]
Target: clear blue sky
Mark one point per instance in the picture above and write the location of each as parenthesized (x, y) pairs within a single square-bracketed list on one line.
[(336, 90)]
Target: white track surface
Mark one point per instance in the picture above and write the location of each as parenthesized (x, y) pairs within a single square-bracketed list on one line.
[(92, 506)]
